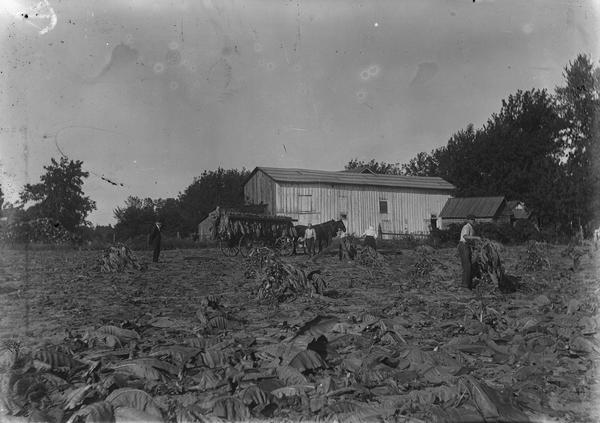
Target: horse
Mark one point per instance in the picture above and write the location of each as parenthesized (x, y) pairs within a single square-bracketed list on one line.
[(323, 231)]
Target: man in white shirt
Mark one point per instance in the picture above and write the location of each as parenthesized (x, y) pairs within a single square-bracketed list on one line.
[(370, 235), (309, 240), (464, 251), (344, 249)]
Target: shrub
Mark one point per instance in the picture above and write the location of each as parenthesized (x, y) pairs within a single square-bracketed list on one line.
[(450, 235), (504, 233)]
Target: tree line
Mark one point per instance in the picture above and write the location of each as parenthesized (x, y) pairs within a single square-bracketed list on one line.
[(59, 197), (541, 148)]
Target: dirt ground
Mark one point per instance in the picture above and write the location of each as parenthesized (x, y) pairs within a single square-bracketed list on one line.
[(381, 344)]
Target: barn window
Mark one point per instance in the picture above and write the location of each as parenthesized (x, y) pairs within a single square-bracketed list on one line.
[(383, 209), (305, 203)]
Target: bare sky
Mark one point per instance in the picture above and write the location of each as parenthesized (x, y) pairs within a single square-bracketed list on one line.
[(149, 94)]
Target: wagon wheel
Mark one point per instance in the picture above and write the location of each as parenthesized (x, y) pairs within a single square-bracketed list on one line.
[(228, 248), (284, 246), (245, 245)]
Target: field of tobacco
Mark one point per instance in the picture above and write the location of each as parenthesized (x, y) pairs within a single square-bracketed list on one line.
[(200, 337)]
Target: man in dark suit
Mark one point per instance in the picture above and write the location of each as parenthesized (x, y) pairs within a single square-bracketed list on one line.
[(154, 241)]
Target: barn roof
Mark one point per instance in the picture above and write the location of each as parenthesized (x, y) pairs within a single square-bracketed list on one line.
[(460, 208), (353, 178), (360, 169)]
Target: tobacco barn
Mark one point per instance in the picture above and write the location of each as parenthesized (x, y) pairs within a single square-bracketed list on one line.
[(391, 203)]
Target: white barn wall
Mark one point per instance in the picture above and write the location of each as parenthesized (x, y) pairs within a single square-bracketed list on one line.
[(260, 188), (409, 210)]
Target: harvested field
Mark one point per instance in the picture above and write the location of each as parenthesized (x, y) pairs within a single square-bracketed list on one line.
[(188, 340)]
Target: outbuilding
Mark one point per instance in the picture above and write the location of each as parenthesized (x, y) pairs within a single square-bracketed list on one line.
[(485, 209), (393, 204)]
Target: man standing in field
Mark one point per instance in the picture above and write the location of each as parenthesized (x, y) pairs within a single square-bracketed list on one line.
[(154, 241), (344, 248), (464, 251), (309, 240)]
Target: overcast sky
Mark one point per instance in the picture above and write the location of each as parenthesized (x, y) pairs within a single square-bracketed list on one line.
[(151, 93)]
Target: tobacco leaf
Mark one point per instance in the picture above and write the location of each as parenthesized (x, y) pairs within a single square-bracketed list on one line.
[(123, 335), (231, 409), (253, 396), (307, 360), (98, 412), (134, 398), (132, 415), (54, 360), (291, 375), (76, 397)]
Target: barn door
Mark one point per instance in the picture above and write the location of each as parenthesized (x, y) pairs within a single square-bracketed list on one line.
[(386, 228)]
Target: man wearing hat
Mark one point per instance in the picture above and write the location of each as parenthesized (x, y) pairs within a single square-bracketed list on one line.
[(464, 251), (154, 241)]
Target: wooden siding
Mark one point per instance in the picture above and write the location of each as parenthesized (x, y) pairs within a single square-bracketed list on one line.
[(408, 210), (261, 189)]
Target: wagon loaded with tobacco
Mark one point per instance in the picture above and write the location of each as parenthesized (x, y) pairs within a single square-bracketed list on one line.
[(239, 232)]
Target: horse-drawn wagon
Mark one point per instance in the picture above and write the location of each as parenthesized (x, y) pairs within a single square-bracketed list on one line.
[(238, 232)]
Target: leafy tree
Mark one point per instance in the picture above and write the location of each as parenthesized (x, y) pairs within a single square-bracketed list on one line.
[(422, 164), (375, 167), (213, 188), (516, 154), (579, 106), (169, 212), (519, 153), (458, 161), (59, 194), (135, 218)]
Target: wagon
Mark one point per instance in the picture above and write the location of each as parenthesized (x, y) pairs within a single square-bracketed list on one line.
[(237, 233)]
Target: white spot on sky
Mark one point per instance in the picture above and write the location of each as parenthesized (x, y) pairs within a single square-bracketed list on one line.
[(376, 24), (302, 89), (159, 67), (370, 72), (258, 47), (173, 45), (528, 28), (41, 16), (173, 57), (373, 70)]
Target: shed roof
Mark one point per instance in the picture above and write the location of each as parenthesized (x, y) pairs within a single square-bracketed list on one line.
[(460, 208), (352, 178)]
